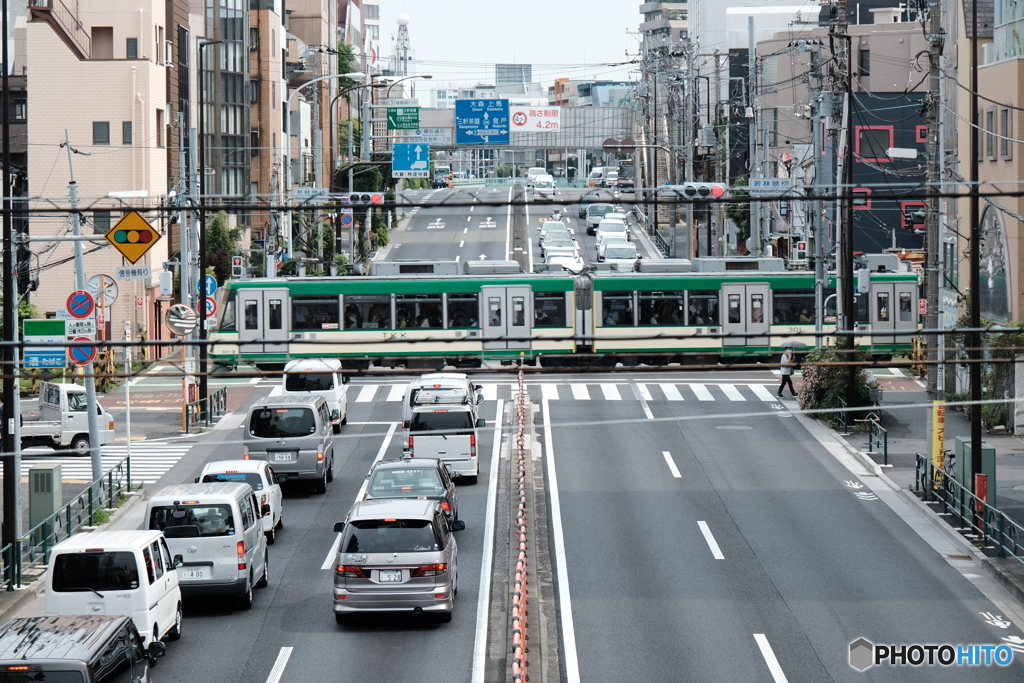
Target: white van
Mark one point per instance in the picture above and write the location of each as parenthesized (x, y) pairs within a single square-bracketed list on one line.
[(130, 573), (533, 173), (426, 389), (218, 529), (447, 431), (319, 377)]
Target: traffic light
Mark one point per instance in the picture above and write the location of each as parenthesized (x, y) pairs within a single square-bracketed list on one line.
[(237, 267), (698, 191), (913, 217), (363, 199)]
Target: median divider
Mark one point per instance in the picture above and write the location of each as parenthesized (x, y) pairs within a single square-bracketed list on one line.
[(520, 545)]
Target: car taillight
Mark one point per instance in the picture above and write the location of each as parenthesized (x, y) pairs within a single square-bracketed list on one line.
[(245, 452), (429, 570), (240, 549), (411, 438), (472, 445), (319, 456), (352, 571), (264, 499), (446, 506)]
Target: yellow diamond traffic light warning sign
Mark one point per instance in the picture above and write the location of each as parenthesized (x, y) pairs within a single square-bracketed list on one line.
[(132, 236)]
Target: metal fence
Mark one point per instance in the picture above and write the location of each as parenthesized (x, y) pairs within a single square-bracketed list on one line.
[(33, 548), (878, 437), (990, 526), (645, 223), (207, 410)]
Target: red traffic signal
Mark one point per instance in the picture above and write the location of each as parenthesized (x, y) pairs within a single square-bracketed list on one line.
[(366, 198), (698, 191)]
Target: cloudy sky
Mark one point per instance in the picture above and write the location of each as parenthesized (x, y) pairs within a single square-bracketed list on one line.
[(459, 41)]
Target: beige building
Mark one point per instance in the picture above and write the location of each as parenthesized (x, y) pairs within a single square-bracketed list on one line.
[(266, 113), (103, 80)]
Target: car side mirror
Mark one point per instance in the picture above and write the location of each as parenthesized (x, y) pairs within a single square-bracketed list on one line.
[(339, 527), (345, 379), (156, 649), (282, 478), (178, 561), (197, 480), (481, 423), (479, 398), (458, 525), (405, 425), (335, 414), (265, 509)]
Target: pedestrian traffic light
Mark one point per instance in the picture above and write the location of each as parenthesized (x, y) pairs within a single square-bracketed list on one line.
[(914, 216), (237, 267), (364, 199), (698, 191)]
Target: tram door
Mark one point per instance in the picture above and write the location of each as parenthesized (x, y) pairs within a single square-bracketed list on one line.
[(263, 320), (507, 317), (745, 310), (893, 309)]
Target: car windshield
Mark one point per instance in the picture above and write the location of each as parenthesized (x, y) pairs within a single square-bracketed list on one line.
[(390, 536), (620, 252), (600, 210), (275, 423), (76, 401), (405, 483), (35, 676), (253, 479), (192, 521), (95, 571), (551, 244), (612, 227), (442, 421), (309, 381)]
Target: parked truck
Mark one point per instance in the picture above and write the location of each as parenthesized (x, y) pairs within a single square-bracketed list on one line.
[(62, 421)]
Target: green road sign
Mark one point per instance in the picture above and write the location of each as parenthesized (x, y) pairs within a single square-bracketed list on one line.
[(403, 118)]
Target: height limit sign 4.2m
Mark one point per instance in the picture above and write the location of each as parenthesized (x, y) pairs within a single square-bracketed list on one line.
[(410, 161)]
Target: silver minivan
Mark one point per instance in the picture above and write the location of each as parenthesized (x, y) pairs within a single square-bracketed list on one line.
[(294, 434), (447, 431), (396, 555), (218, 529)]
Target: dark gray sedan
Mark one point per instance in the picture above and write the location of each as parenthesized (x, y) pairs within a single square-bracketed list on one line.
[(413, 478)]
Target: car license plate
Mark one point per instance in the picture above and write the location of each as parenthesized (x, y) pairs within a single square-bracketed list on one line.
[(282, 457), (390, 576), (193, 574)]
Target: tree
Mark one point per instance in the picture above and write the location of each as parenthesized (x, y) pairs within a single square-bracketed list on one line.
[(221, 244), (348, 62), (739, 212), (25, 310)]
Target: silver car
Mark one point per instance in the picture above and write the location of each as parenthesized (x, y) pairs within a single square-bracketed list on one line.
[(396, 555), (557, 245)]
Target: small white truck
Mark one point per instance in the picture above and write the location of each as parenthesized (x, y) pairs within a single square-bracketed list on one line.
[(62, 421)]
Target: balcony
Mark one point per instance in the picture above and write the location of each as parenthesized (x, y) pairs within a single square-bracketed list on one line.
[(64, 24)]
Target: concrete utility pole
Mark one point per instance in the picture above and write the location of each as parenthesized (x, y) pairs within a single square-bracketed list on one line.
[(933, 239), (90, 370), (11, 529), (755, 204), (974, 345)]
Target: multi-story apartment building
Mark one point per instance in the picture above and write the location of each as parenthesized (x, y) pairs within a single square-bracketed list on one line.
[(111, 63), (266, 113)]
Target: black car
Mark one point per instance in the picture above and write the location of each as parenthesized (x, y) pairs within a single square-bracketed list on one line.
[(413, 478), (586, 201)]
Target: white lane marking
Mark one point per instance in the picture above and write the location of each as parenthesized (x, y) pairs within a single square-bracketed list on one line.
[(279, 664), (457, 257), (490, 391), (611, 392), (572, 664), (549, 392), (329, 560), (366, 393), (462, 244), (469, 218), (671, 465), (254, 380), (643, 401), (671, 392), (508, 227), (731, 392), (472, 207), (645, 393), (769, 658), (484, 600), (702, 392), (579, 392), (397, 392), (465, 230), (710, 538), (761, 392)]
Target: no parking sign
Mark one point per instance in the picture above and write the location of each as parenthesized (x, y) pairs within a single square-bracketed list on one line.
[(82, 355)]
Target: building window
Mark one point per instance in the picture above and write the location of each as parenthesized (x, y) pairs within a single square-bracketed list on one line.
[(159, 127), (126, 132), (131, 48), (769, 73), (273, 94), (254, 91), (921, 135), (990, 139), (254, 38), (374, 31), (100, 222), (864, 62), (371, 12), (1005, 125), (862, 198), (770, 121), (101, 132), (873, 143)]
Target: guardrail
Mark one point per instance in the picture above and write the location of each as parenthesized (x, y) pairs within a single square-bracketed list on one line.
[(197, 411), (645, 223), (878, 436), (843, 415), (989, 524), (34, 546), (519, 592)]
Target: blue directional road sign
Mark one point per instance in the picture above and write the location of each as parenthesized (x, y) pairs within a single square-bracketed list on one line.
[(481, 122), (410, 161), (211, 285)]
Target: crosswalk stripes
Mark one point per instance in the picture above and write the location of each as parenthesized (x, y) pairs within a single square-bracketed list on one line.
[(671, 392), (731, 392), (490, 392), (611, 392), (396, 393), (549, 392), (761, 392), (608, 391), (701, 392), (645, 393), (150, 461), (366, 393), (580, 392)]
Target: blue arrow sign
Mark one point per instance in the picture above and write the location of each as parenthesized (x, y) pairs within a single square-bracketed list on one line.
[(211, 285), (481, 122), (410, 161)]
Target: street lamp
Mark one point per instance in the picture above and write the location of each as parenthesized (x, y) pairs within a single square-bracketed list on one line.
[(392, 84), (334, 102), (201, 313)]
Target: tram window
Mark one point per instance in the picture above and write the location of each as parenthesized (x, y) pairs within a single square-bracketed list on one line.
[(906, 310), (463, 310), (792, 306), (549, 309), (702, 308), (518, 311), (367, 311), (312, 312), (274, 315), (419, 310), (830, 313), (757, 308), (252, 315), (862, 309), (227, 316), (882, 301), (494, 311), (660, 308), (735, 309), (617, 308)]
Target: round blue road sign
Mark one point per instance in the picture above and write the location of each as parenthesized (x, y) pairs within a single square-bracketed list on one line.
[(346, 219), (211, 285), (82, 355), (81, 304)]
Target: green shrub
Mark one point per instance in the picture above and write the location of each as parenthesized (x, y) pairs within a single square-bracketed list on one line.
[(824, 380)]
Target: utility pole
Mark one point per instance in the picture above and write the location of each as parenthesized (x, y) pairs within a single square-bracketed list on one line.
[(90, 370), (11, 450), (974, 353), (933, 245), (755, 204)]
